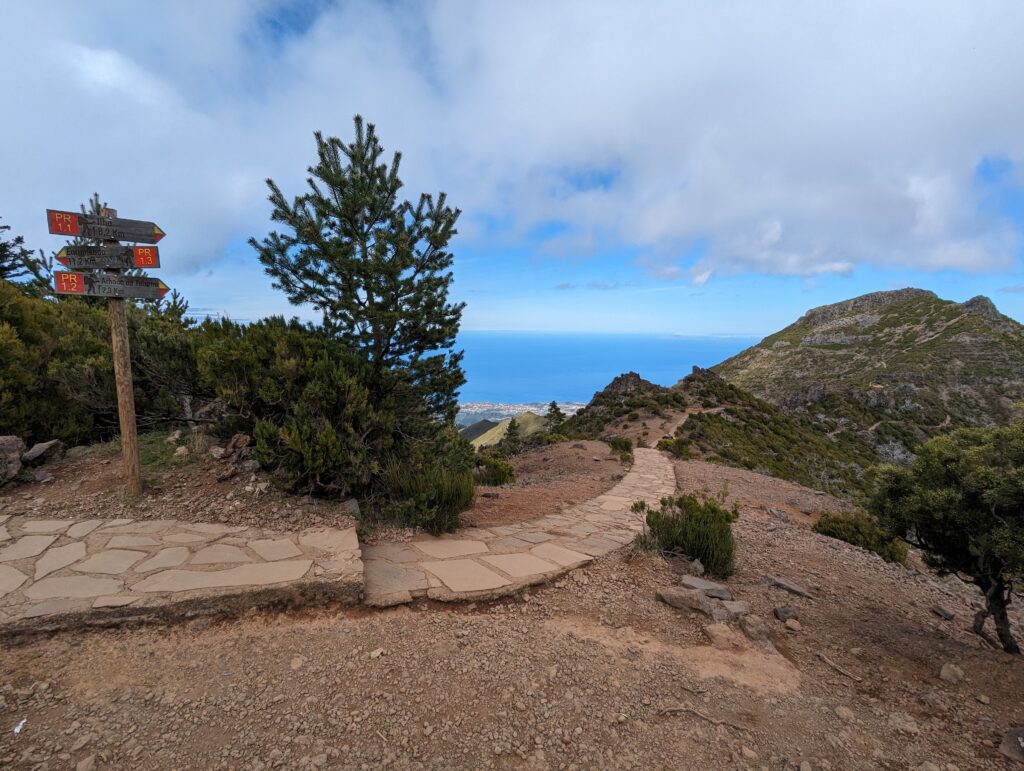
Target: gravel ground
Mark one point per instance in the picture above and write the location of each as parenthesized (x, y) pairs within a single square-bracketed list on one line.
[(575, 675)]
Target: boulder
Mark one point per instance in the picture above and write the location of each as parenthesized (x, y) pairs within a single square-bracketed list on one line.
[(779, 514), (710, 588), (790, 586), (943, 613), (11, 449), (43, 452), (785, 614), (951, 673), (1012, 745), (736, 608), (686, 599)]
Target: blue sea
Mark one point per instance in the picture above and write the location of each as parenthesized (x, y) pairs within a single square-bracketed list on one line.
[(518, 367)]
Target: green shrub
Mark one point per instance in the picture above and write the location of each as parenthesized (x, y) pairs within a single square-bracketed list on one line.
[(700, 528), (864, 531), (621, 444), (491, 470), (430, 497)]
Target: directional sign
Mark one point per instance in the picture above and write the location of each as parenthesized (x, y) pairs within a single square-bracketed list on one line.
[(109, 285), (109, 257), (67, 223)]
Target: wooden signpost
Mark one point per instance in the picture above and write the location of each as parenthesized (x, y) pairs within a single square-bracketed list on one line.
[(104, 263), (109, 285), (103, 227), (108, 257)]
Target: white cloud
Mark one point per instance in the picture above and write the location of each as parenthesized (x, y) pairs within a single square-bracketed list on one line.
[(789, 138)]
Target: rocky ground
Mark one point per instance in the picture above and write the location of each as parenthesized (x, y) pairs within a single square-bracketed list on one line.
[(547, 479), (591, 672), (877, 668), (183, 481)]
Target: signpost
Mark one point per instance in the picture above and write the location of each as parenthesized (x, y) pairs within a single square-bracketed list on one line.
[(109, 285), (103, 227), (101, 267), (109, 257)]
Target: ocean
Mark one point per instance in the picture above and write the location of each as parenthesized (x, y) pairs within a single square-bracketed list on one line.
[(532, 367)]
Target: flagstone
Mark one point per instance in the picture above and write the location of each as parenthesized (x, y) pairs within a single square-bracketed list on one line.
[(212, 527), (259, 574), (220, 552), (559, 555), (186, 538), (34, 526), (393, 552), (127, 541), (170, 557), (10, 579), (465, 575), (82, 529), (26, 546), (110, 561), (4, 535), (59, 557), (273, 549), (535, 536), (148, 527), (115, 601), (53, 607), (440, 549), (520, 565), (72, 586), (388, 578), (330, 540)]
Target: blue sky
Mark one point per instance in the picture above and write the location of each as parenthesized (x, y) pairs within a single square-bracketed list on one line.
[(689, 168)]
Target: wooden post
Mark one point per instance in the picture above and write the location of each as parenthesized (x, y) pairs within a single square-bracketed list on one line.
[(125, 390)]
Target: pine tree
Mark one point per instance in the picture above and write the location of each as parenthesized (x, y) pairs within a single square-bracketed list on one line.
[(512, 442), (377, 268), (16, 263), (554, 418)]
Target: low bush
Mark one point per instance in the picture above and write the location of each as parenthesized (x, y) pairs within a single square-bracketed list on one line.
[(492, 470), (864, 531), (700, 528), (430, 497), (620, 444)]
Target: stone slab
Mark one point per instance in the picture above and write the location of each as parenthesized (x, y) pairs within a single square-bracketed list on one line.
[(330, 540), (59, 557), (260, 574), (10, 579), (111, 561), (44, 526), (131, 541), (170, 557), (559, 555), (273, 549), (82, 529), (520, 565), (72, 586), (446, 549), (465, 575), (387, 578), (26, 546), (218, 553)]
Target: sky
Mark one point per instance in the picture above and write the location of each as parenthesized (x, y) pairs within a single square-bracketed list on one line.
[(689, 168)]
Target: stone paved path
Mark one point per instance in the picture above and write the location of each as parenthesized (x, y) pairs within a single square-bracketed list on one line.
[(61, 572), (482, 563)]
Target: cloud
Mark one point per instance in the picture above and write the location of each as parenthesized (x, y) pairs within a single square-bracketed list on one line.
[(1015, 289), (565, 285), (788, 140)]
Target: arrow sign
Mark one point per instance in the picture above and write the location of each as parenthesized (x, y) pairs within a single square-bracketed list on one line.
[(109, 285), (109, 257), (66, 223)]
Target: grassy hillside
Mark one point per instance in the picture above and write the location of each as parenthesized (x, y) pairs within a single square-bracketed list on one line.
[(629, 397), (896, 367), (529, 424), (477, 429), (736, 428)]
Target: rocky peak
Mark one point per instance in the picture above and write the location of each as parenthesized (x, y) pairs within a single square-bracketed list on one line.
[(981, 306), (863, 304)]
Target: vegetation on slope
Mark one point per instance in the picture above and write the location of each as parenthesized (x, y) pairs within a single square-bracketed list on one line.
[(627, 396), (898, 367), (747, 432)]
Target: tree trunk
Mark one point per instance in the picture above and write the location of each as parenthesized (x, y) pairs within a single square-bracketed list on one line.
[(997, 599)]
